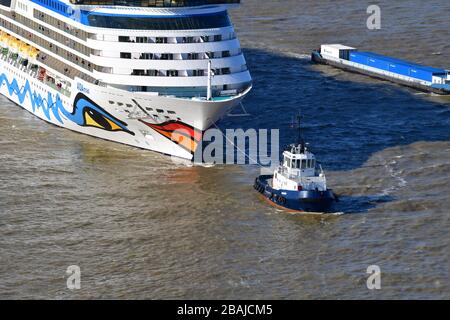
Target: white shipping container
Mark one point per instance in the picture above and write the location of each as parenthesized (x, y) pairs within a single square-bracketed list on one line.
[(337, 51)]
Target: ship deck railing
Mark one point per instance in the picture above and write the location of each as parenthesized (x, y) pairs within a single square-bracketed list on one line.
[(33, 73)]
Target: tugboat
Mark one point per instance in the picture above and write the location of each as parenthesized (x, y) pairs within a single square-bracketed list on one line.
[(299, 183)]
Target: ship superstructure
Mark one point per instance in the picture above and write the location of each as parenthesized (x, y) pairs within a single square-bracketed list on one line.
[(151, 74)]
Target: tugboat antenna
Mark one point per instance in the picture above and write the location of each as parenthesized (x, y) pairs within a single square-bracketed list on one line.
[(297, 125)]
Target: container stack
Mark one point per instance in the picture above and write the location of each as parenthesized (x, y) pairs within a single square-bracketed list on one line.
[(397, 66)]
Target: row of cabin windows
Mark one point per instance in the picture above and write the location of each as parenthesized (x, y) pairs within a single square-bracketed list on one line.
[(214, 38), (56, 36), (176, 73), (56, 22), (170, 56), (89, 66), (57, 64), (300, 164), (126, 55)]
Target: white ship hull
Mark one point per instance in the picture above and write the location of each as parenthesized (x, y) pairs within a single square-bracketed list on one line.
[(129, 120)]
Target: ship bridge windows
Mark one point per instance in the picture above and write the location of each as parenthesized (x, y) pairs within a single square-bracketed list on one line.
[(193, 39), (138, 72), (188, 40), (161, 40), (295, 164), (142, 40), (172, 73), (210, 21), (225, 71), (308, 164), (124, 39), (146, 56), (287, 162), (303, 164), (167, 56), (177, 73), (171, 56), (198, 73), (193, 56)]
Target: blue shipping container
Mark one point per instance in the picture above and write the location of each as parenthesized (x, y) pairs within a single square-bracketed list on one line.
[(357, 57), (400, 69), (421, 74), (378, 63), (369, 59), (397, 66)]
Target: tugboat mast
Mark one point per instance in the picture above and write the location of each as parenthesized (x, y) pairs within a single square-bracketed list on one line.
[(297, 124)]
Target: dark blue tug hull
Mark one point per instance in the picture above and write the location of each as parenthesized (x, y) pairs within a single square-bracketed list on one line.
[(306, 201)]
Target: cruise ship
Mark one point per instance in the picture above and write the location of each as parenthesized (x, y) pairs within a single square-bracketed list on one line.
[(153, 74)]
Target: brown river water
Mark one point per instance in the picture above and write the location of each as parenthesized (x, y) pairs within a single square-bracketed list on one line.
[(140, 227)]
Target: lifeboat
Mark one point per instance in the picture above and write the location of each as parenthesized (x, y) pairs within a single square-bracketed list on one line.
[(41, 74), (3, 38), (23, 50), (33, 53), (23, 53), (13, 44)]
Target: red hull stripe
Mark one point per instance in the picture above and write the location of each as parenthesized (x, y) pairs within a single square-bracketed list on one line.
[(174, 126)]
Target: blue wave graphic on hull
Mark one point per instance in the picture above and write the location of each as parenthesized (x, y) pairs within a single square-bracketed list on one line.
[(86, 113), (37, 102)]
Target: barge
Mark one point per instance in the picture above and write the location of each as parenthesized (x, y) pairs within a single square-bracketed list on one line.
[(423, 78)]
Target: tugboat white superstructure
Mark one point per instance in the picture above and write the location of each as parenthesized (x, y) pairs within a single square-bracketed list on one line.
[(150, 74), (299, 184)]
